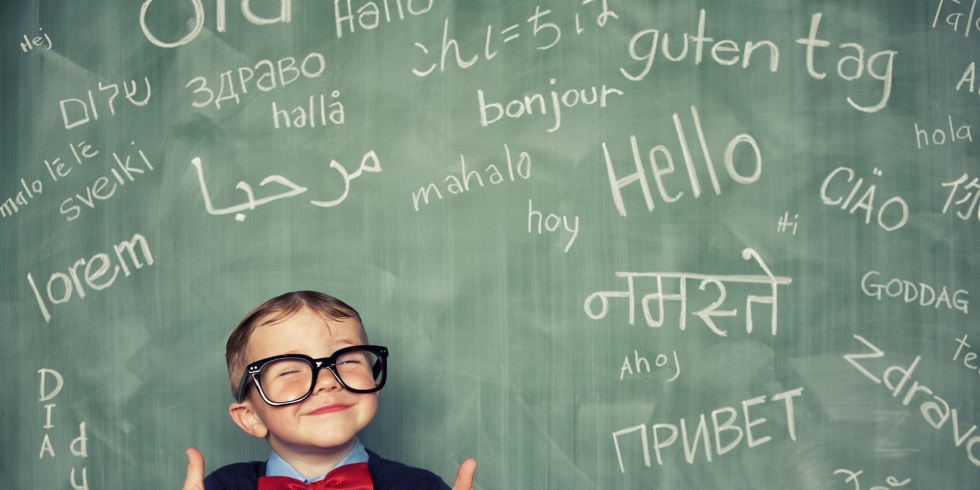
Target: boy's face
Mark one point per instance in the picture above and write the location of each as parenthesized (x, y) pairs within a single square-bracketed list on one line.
[(325, 422)]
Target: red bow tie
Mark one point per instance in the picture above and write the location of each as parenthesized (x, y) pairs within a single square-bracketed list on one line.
[(348, 477)]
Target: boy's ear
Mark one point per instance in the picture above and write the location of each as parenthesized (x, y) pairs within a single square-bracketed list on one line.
[(245, 417)]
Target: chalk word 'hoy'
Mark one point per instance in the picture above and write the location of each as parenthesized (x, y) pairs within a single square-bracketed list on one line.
[(659, 172)]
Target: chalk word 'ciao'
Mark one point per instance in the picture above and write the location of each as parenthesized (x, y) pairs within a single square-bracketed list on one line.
[(896, 287), (867, 200), (705, 314)]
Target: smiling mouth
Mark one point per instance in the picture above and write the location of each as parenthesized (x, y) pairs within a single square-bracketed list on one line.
[(336, 407)]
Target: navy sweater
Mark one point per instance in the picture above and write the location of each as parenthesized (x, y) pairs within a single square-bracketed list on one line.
[(386, 474)]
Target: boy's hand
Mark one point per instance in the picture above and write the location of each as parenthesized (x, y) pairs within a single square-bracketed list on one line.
[(195, 471), (464, 477)]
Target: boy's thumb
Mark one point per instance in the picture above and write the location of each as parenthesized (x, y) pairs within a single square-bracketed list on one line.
[(195, 471)]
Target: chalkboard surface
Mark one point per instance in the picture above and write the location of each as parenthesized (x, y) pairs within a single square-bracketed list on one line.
[(609, 243)]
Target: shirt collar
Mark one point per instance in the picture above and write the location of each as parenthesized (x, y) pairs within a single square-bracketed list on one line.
[(276, 466)]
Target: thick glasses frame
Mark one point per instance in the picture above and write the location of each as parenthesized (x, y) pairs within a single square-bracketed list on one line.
[(253, 370)]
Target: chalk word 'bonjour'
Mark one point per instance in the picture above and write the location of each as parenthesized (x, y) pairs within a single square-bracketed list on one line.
[(517, 107), (906, 289)]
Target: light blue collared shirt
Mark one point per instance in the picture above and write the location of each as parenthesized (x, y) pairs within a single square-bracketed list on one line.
[(276, 466)]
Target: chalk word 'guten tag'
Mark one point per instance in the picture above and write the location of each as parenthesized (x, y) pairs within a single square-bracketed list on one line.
[(706, 314)]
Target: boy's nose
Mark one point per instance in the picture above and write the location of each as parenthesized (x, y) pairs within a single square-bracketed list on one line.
[(327, 380)]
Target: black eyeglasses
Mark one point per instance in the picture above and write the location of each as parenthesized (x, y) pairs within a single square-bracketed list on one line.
[(290, 378)]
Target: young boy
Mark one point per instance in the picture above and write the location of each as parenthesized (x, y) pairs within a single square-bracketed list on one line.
[(305, 379)]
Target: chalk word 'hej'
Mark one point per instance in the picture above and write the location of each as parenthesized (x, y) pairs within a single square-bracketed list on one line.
[(895, 288), (78, 445), (725, 52), (708, 313), (617, 183), (461, 184), (895, 219), (60, 285), (29, 43), (935, 411), (701, 432)]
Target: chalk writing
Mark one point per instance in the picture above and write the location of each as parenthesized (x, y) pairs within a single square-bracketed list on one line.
[(785, 224), (954, 18), (95, 279), (867, 200), (970, 195), (725, 52), (24, 196), (285, 15), (285, 71), (78, 445), (701, 433), (38, 41), (105, 187), (301, 115), (73, 118), (969, 75), (939, 135), (292, 189), (518, 107), (708, 313), (461, 184), (935, 411), (969, 356), (550, 34), (551, 223), (852, 476), (643, 365), (857, 59), (368, 14), (617, 183), (896, 287), (721, 51)]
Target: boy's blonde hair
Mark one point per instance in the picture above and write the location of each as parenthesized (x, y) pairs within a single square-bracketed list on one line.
[(276, 310)]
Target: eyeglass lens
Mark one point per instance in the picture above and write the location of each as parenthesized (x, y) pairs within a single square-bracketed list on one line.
[(290, 379)]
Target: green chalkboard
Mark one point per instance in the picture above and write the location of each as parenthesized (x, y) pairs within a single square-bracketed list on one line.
[(610, 244)]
